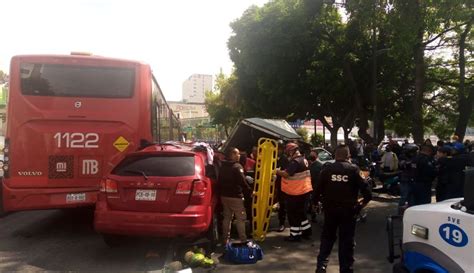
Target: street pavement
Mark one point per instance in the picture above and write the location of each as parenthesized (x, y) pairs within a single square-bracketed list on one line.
[(64, 240)]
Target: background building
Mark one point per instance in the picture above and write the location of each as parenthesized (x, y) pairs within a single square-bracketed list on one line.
[(185, 111), (195, 87)]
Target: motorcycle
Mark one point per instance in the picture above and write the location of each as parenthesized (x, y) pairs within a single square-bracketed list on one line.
[(391, 182)]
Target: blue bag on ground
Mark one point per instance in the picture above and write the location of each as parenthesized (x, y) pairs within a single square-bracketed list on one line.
[(243, 253)]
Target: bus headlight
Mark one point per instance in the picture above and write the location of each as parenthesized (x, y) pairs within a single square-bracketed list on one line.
[(419, 231)]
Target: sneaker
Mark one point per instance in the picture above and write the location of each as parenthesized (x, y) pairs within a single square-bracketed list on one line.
[(293, 239), (320, 270), (281, 228)]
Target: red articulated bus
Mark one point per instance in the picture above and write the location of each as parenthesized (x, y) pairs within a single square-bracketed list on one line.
[(70, 120)]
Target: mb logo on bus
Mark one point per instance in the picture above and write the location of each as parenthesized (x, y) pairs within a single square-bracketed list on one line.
[(90, 167)]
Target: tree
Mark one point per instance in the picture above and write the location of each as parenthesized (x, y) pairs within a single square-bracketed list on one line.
[(317, 140), (299, 59), (466, 89), (289, 58), (3, 77), (271, 48), (222, 104), (419, 27), (303, 133)]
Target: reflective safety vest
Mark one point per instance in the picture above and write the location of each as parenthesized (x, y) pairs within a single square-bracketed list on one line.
[(298, 184)]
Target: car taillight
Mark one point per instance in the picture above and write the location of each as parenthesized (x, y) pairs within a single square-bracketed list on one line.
[(6, 158), (199, 188), (108, 186), (199, 192), (184, 187)]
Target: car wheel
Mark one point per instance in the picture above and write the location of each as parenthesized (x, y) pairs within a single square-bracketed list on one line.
[(213, 234), (112, 240)]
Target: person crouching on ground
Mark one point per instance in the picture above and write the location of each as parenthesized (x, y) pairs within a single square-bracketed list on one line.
[(232, 187), (296, 184)]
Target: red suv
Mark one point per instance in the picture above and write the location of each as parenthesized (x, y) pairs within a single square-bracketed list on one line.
[(163, 191)]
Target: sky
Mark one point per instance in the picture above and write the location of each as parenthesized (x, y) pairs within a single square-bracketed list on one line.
[(177, 38)]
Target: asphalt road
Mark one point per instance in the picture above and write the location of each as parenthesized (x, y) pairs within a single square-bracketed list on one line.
[(64, 240)]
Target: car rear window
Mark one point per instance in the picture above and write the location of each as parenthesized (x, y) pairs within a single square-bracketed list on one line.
[(156, 166), (60, 80)]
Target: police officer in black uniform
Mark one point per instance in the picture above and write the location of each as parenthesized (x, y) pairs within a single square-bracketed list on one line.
[(339, 187), (425, 173)]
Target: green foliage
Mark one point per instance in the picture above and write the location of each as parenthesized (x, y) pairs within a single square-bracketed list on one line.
[(271, 49), (301, 59), (303, 132), (222, 104), (3, 77), (317, 140)]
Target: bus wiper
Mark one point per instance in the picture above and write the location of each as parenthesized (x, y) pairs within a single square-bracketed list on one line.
[(137, 172)]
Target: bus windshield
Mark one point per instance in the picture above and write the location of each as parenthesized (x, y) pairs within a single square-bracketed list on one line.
[(61, 80)]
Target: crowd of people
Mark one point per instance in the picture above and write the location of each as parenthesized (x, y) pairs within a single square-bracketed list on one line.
[(304, 184), (419, 169)]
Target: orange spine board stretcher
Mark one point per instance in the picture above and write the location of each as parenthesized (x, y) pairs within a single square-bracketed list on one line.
[(264, 187)]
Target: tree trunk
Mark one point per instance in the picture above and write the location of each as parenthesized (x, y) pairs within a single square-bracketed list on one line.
[(466, 101), (375, 101), (417, 129), (418, 126), (465, 111), (380, 127), (363, 125), (333, 131), (226, 130), (347, 131), (361, 112)]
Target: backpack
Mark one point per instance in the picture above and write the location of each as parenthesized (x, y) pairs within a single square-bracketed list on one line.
[(243, 253)]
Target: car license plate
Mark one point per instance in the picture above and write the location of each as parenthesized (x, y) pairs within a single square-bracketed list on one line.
[(145, 195), (75, 197)]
